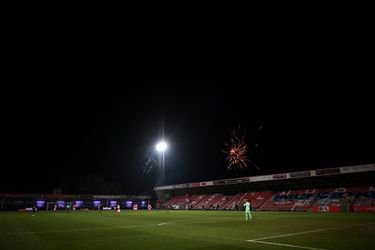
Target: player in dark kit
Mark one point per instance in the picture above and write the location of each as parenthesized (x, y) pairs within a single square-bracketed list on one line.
[(33, 210)]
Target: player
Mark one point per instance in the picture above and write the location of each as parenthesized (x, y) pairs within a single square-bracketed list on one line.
[(54, 209), (118, 210), (135, 207), (158, 204), (149, 207), (34, 209), (247, 210)]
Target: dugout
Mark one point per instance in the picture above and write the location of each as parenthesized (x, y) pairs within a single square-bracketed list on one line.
[(10, 201)]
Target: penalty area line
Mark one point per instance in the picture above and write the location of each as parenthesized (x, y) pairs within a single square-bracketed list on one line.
[(311, 231), (291, 234), (259, 240)]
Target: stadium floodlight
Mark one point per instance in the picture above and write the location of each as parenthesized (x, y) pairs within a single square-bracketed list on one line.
[(161, 146)]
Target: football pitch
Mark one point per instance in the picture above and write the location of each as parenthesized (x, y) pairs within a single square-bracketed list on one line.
[(186, 230)]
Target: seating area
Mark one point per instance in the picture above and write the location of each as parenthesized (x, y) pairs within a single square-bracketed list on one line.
[(318, 200), (210, 202), (257, 199), (278, 201), (291, 200), (230, 205), (175, 201)]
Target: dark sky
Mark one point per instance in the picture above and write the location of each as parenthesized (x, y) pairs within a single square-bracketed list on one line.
[(87, 114)]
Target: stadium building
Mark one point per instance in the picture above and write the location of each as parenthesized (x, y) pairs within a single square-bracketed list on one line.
[(341, 189)]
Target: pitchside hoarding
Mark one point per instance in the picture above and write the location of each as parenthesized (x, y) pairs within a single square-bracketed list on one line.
[(329, 171), (300, 174)]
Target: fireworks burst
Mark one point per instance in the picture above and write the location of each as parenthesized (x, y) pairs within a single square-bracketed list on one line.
[(236, 150)]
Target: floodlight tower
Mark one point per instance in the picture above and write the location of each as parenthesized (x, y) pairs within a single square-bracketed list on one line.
[(161, 147)]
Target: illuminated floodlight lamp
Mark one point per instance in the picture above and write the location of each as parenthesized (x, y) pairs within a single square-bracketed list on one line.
[(161, 146)]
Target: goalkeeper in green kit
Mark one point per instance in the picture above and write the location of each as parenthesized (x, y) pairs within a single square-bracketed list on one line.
[(247, 210)]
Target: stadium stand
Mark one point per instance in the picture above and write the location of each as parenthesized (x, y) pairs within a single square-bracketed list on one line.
[(365, 203), (230, 205), (209, 201), (257, 199), (176, 201), (194, 204), (343, 189), (224, 200), (332, 200)]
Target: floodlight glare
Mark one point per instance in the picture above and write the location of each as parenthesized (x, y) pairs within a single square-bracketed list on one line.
[(161, 146)]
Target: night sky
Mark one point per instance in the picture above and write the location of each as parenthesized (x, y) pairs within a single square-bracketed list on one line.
[(98, 116)]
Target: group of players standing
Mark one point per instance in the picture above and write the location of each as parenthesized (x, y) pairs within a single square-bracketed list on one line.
[(117, 208)]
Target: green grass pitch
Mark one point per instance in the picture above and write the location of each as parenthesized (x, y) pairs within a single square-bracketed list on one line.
[(186, 230)]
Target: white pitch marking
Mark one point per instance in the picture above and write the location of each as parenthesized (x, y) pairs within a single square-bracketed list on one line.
[(258, 240), (287, 245), (170, 222), (311, 231), (164, 223), (291, 234)]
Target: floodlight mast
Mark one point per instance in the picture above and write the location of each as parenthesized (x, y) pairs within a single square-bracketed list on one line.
[(161, 147)]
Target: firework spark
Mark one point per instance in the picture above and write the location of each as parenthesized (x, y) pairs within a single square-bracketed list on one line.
[(236, 150)]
